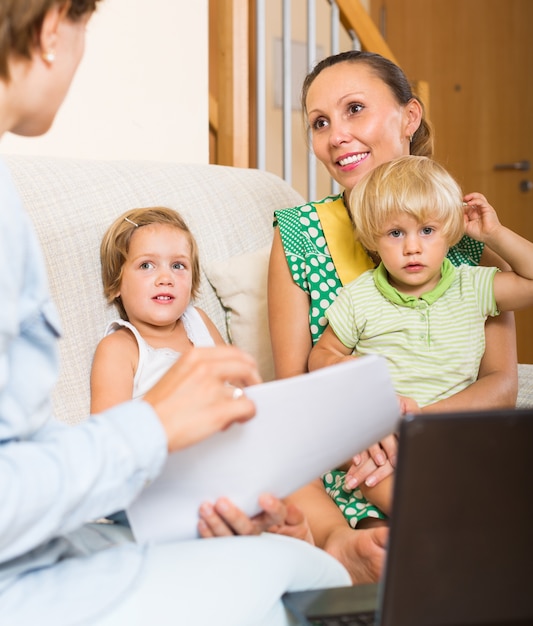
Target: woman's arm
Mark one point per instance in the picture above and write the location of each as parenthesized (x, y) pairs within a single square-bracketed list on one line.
[(288, 314)]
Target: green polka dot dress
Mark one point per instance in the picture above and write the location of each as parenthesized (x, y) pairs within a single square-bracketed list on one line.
[(309, 259)]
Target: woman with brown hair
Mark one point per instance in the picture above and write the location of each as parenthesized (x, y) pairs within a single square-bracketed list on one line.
[(56, 567), (362, 112)]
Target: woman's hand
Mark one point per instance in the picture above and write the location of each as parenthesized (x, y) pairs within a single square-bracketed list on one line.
[(224, 519), (196, 397), (373, 465)]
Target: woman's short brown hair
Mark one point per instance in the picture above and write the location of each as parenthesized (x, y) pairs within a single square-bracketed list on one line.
[(21, 21)]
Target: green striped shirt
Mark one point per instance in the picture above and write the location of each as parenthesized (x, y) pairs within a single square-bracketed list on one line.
[(433, 344)]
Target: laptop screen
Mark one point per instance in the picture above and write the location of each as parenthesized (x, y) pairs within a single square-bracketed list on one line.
[(460, 549), (461, 542)]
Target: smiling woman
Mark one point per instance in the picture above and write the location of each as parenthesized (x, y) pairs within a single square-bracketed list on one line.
[(368, 111), (361, 112)]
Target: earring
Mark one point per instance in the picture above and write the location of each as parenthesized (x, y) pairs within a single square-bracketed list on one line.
[(49, 57), (410, 138)]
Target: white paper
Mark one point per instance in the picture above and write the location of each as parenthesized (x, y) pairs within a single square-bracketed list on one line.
[(304, 426)]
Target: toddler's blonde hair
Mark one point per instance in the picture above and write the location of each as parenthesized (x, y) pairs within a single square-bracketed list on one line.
[(415, 185)]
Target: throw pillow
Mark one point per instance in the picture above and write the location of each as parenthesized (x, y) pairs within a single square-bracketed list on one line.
[(240, 283)]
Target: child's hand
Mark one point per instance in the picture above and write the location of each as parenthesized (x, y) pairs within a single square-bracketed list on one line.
[(408, 405), (480, 217)]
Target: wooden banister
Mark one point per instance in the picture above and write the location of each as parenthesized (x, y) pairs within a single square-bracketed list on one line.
[(228, 108), (355, 17)]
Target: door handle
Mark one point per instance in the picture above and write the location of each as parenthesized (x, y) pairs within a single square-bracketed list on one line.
[(517, 165)]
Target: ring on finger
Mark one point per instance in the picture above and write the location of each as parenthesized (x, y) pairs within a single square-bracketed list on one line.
[(237, 393)]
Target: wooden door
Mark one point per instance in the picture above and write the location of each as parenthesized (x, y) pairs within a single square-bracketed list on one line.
[(477, 56)]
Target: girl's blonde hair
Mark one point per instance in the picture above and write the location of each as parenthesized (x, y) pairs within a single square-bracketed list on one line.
[(415, 185), (116, 243)]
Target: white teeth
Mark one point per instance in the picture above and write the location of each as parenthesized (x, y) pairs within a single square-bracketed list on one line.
[(162, 297), (355, 158)]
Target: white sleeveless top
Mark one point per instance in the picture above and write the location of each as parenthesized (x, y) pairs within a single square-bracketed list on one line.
[(154, 362)]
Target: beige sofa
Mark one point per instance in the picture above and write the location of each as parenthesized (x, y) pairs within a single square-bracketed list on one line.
[(71, 203)]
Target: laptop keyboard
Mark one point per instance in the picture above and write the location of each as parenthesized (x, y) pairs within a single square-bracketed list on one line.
[(359, 619)]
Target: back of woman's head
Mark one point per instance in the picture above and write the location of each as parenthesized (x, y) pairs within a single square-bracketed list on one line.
[(21, 20), (412, 185), (116, 243), (393, 76)]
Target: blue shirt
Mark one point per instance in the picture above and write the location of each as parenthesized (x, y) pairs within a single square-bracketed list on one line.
[(54, 478)]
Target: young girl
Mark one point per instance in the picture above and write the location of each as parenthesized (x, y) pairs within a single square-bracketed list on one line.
[(424, 315), (151, 272)]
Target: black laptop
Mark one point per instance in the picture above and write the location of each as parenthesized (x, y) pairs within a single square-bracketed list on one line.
[(460, 548)]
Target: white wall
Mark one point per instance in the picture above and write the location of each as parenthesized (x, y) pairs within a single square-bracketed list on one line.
[(141, 91)]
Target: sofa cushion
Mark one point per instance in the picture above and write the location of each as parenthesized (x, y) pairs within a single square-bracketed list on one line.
[(241, 284)]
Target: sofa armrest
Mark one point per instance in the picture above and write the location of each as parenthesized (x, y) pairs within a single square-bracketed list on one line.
[(525, 385)]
